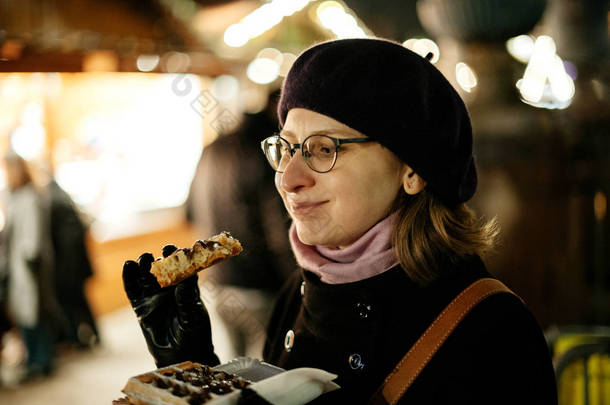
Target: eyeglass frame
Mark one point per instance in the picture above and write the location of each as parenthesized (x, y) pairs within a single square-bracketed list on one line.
[(293, 146)]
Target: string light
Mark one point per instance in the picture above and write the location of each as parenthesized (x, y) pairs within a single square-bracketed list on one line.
[(263, 70), (261, 20), (465, 76), (521, 47), (545, 82), (423, 47), (332, 16), (147, 63)]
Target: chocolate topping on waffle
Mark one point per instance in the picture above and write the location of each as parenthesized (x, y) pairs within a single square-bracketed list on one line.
[(184, 383)]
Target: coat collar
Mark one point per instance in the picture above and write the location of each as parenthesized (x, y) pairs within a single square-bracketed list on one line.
[(352, 308)]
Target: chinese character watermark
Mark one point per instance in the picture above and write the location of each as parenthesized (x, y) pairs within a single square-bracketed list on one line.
[(205, 104)]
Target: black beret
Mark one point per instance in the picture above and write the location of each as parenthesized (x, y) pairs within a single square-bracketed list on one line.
[(394, 96)]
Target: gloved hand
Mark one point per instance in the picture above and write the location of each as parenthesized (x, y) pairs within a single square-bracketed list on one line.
[(174, 320)]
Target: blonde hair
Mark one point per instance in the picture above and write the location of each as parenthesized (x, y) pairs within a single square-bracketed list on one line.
[(428, 237)]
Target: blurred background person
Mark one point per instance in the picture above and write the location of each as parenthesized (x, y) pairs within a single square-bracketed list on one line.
[(27, 274), (72, 267), (233, 191), (5, 322)]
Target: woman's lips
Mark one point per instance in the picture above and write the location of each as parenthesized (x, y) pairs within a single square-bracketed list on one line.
[(304, 207)]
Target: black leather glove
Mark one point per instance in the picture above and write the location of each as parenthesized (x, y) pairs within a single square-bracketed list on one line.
[(174, 320)]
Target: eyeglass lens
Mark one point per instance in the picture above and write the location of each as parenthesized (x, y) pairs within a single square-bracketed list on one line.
[(319, 152)]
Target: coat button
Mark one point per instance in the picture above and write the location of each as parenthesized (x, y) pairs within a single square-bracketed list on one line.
[(289, 340), (355, 362), (363, 310), (302, 288)]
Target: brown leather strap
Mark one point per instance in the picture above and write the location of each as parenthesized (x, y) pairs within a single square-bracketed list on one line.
[(407, 370)]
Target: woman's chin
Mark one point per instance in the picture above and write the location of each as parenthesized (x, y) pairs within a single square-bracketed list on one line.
[(320, 238), (307, 238)]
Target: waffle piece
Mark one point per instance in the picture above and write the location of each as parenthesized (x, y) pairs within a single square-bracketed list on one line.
[(185, 262), (186, 383)]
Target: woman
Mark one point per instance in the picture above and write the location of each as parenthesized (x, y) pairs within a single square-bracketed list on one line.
[(374, 163), (26, 271)]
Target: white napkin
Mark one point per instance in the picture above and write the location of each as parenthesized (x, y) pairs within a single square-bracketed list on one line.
[(293, 387)]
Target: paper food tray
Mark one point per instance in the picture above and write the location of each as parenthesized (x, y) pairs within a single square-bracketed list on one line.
[(173, 385), (249, 368)]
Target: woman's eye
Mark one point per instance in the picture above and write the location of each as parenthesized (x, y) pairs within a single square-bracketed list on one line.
[(324, 150)]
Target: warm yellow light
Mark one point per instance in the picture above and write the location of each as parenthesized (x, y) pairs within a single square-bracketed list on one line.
[(236, 36), (545, 45), (225, 87), (29, 138), (147, 63), (410, 43), (600, 205), (562, 84), (260, 20), (105, 134), (545, 83), (29, 141), (423, 47), (100, 61), (273, 54), (332, 16), (531, 89), (84, 180), (465, 76), (534, 78), (33, 113), (521, 47), (348, 27), (176, 62), (287, 61), (11, 86), (263, 70), (329, 12)]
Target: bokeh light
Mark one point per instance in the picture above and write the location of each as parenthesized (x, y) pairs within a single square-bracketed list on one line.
[(423, 47), (465, 76), (147, 63), (263, 70), (521, 47)]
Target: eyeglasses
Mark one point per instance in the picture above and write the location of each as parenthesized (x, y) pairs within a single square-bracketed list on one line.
[(318, 151)]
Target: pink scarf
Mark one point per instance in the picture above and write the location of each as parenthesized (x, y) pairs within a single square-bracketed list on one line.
[(369, 256)]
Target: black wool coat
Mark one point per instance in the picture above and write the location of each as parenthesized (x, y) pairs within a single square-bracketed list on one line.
[(360, 330)]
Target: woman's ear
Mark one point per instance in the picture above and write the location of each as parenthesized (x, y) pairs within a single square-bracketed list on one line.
[(411, 181)]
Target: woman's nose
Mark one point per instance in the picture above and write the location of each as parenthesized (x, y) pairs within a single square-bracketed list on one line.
[(296, 175)]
